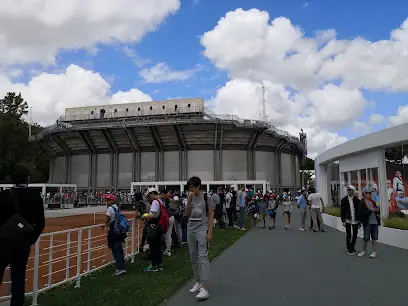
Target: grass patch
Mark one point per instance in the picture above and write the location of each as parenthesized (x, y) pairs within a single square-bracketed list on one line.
[(137, 287), (397, 222), (332, 210)]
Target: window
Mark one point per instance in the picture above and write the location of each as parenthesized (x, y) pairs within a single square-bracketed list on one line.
[(92, 112), (163, 107), (116, 110), (127, 110), (151, 107), (175, 107), (138, 109), (189, 105)]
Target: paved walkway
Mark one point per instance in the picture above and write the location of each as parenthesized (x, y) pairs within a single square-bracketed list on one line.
[(293, 268)]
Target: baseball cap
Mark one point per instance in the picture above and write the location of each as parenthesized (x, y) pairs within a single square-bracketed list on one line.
[(351, 187), (367, 189), (150, 190), (176, 198)]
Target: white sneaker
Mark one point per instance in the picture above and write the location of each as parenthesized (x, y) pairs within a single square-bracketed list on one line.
[(361, 254), (243, 229), (168, 254), (236, 226), (120, 272), (203, 294), (301, 229), (196, 288), (373, 255)]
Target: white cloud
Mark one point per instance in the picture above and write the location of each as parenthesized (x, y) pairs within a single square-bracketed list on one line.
[(376, 119), (49, 94), (137, 59), (401, 117), (162, 72), (35, 31), (243, 98), (318, 80)]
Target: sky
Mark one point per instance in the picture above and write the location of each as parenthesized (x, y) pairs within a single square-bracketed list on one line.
[(336, 69)]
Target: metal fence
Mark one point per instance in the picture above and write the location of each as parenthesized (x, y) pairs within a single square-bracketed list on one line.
[(67, 256), (181, 117)]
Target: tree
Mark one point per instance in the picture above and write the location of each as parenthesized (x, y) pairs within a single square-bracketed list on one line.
[(14, 143), (308, 164), (14, 105)]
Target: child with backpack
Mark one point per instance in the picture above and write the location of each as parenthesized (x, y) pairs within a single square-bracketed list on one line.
[(118, 226), (158, 225)]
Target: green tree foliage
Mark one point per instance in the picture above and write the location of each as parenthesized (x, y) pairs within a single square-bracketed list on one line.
[(308, 164), (14, 143)]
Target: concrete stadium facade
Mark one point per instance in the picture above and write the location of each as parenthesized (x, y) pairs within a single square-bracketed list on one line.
[(113, 151)]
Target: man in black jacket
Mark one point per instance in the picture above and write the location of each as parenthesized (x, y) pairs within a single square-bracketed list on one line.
[(350, 217), (32, 210)]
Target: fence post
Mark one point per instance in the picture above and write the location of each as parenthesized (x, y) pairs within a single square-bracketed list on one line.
[(36, 267), (89, 249), (133, 240), (67, 265), (51, 250), (79, 251), (138, 237)]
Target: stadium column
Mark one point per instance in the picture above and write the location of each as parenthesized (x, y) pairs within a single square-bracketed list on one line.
[(114, 158), (295, 172), (67, 151), (251, 161), (217, 152), (159, 164), (136, 151), (91, 148), (182, 148), (51, 173)]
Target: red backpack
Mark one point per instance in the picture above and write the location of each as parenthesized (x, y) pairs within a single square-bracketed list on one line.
[(163, 223)]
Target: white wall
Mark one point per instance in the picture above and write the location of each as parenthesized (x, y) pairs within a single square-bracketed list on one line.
[(234, 165), (364, 160), (201, 164), (171, 166), (148, 167)]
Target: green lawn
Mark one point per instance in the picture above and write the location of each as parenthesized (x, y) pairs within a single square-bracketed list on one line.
[(136, 287), (332, 210)]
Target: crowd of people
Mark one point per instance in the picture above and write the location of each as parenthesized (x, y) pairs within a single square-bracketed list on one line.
[(173, 218)]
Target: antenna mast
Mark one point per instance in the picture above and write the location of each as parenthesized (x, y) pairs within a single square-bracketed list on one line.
[(263, 103)]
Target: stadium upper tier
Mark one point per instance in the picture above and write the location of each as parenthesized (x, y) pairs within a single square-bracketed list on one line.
[(159, 126)]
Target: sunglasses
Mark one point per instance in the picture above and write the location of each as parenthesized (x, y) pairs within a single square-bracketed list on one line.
[(367, 192)]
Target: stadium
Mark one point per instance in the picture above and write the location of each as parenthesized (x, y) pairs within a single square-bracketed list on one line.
[(109, 146)]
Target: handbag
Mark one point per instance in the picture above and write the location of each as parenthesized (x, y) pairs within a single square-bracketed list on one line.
[(16, 227)]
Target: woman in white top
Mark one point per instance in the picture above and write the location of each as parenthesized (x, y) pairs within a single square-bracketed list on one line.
[(316, 207)]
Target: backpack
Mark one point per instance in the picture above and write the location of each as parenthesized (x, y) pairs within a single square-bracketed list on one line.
[(163, 223), (121, 225)]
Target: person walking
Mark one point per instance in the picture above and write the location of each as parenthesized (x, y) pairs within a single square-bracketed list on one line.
[(22, 221), (115, 240), (370, 218), (158, 221), (316, 208), (302, 206), (200, 211), (240, 204), (350, 207)]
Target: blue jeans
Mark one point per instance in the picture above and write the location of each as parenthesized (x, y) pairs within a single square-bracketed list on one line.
[(118, 255), (241, 217)]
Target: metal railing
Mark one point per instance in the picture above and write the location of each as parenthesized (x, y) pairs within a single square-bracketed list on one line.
[(67, 256), (182, 115)]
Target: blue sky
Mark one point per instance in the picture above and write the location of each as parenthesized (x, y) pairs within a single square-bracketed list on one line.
[(176, 42)]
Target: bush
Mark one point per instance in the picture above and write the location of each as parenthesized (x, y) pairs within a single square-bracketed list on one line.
[(397, 222), (332, 210)]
